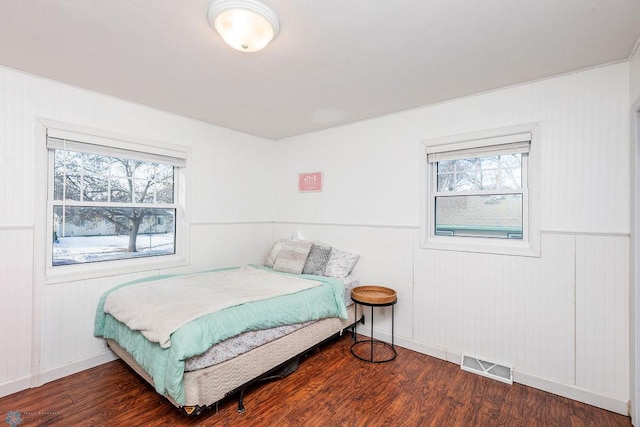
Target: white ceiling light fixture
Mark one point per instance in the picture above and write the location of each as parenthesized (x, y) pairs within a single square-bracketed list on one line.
[(245, 25)]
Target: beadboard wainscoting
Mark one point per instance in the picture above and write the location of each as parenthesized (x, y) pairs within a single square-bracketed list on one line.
[(16, 273), (559, 320)]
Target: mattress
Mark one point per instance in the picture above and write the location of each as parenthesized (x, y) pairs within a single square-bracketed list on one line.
[(247, 341), (205, 387)]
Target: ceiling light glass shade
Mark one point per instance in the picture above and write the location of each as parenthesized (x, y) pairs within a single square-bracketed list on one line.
[(245, 25)]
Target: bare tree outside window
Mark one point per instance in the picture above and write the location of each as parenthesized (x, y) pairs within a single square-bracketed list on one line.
[(101, 199), (480, 173)]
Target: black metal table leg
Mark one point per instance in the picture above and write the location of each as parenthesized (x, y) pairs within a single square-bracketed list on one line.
[(371, 336), (371, 341)]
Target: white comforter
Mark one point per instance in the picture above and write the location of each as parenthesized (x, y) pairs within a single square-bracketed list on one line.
[(159, 308)]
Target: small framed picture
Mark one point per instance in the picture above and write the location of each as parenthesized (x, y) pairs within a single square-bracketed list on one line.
[(309, 182)]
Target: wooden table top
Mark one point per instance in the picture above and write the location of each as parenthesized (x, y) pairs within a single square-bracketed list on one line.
[(373, 294)]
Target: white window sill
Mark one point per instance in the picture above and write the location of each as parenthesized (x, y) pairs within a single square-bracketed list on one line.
[(482, 245), (72, 273)]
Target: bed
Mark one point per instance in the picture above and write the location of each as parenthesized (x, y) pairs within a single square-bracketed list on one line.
[(215, 354)]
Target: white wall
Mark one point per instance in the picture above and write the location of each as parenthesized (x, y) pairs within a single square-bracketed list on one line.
[(634, 95), (634, 74), (561, 320), (46, 331)]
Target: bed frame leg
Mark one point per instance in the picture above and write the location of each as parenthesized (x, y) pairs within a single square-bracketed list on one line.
[(353, 327), (240, 402)]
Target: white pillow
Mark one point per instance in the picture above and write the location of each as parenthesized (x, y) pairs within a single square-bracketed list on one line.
[(270, 259), (340, 263), (292, 256)]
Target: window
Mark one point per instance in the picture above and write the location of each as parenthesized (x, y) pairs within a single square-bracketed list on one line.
[(478, 194), (111, 200)]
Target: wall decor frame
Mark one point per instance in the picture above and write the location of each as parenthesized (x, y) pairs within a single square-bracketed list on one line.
[(310, 182)]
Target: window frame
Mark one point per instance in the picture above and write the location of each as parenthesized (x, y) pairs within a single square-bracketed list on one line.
[(481, 144), (113, 144)]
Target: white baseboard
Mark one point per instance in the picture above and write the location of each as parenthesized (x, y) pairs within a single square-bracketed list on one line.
[(72, 368), (14, 386), (55, 374), (569, 391), (573, 392)]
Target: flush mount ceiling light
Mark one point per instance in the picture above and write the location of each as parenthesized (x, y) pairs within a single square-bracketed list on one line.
[(245, 25)]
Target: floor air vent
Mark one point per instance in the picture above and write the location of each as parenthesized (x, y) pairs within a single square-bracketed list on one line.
[(487, 369)]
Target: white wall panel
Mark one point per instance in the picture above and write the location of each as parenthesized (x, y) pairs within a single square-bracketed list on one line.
[(586, 151), (15, 295), (231, 182), (514, 310), (16, 154), (356, 174), (68, 320), (227, 245), (385, 259), (602, 314), (634, 96)]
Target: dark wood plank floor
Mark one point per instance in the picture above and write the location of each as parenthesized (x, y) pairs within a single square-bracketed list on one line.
[(330, 388)]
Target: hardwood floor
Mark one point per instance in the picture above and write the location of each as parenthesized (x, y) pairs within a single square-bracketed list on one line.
[(330, 388)]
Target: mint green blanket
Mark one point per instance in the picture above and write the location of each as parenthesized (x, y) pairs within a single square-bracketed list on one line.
[(166, 366)]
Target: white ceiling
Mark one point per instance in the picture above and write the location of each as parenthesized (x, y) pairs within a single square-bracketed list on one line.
[(334, 62)]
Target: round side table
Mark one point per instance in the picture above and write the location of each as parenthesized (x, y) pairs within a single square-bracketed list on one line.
[(374, 296)]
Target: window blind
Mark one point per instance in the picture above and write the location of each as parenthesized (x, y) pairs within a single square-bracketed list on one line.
[(508, 144), (58, 139)]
